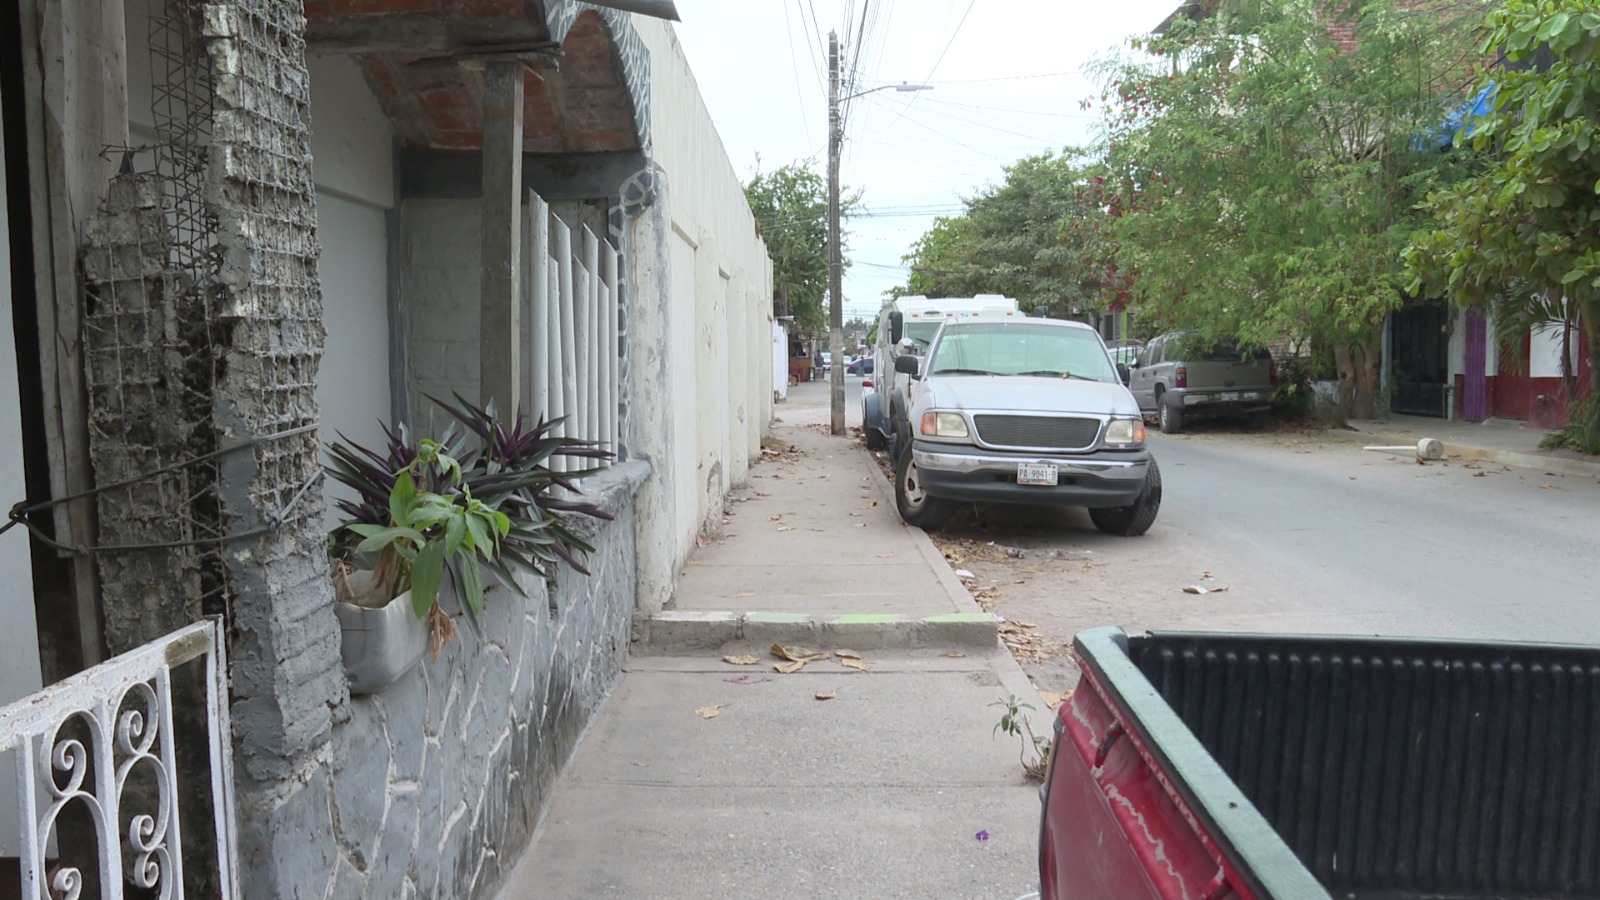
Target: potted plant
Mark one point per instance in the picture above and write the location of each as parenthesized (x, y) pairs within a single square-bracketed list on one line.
[(433, 513)]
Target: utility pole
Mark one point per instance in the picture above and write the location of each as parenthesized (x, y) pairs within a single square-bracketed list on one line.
[(835, 256)]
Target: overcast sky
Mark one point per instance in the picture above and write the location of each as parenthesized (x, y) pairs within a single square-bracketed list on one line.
[(1007, 83)]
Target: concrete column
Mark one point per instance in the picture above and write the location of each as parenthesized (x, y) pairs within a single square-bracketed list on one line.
[(499, 356)]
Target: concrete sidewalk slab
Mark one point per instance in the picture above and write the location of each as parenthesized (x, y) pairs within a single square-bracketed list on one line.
[(814, 535), (881, 792), (1507, 442)]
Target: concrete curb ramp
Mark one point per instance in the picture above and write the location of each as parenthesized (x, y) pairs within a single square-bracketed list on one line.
[(684, 631)]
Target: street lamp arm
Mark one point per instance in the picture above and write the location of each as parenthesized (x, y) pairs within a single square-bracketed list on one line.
[(902, 88)]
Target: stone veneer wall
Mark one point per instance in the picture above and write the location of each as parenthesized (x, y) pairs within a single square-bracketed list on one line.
[(435, 784)]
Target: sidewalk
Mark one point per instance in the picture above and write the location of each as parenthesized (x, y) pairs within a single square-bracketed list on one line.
[(1504, 441), (894, 786)]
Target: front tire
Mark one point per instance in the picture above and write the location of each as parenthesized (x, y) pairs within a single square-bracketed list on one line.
[(914, 504), (1135, 520), (1169, 417)]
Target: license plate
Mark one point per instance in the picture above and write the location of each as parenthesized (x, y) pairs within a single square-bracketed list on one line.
[(1036, 473), (1228, 395)]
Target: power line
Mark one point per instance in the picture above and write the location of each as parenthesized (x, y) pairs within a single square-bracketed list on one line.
[(794, 61)]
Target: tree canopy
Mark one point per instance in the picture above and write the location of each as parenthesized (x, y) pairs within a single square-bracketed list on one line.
[(791, 203), (1009, 241), (1524, 231), (1260, 176)]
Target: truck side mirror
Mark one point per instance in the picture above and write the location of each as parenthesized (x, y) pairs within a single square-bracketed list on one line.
[(1124, 373), (907, 365), (897, 327)]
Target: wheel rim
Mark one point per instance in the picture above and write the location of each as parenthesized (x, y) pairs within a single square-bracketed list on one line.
[(913, 486), (1166, 414)]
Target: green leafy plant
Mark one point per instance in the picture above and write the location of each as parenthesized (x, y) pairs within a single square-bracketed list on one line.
[(429, 531), (1015, 723), (481, 498)]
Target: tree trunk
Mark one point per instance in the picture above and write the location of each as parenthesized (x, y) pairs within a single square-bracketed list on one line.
[(1358, 365), (1588, 408)]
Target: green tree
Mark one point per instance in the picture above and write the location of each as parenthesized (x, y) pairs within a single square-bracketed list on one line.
[(1524, 232), (1265, 175), (1009, 241), (791, 205)]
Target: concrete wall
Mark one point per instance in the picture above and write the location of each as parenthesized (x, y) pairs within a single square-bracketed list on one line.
[(434, 785), (353, 168), (19, 645), (708, 415)]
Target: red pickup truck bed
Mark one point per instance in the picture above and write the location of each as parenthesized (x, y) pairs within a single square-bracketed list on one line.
[(1306, 767)]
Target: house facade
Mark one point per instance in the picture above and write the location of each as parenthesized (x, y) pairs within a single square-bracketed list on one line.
[(240, 230)]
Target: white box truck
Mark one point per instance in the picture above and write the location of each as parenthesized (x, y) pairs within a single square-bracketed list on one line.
[(905, 326)]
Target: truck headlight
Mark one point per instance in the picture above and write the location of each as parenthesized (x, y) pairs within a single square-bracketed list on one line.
[(1125, 432), (944, 424)]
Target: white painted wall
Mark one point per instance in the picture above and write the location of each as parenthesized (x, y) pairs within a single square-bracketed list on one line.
[(352, 161), (1544, 351), (718, 307), (19, 641), (780, 361)]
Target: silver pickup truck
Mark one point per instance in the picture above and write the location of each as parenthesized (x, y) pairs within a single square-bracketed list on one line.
[(1176, 377), (1025, 411)]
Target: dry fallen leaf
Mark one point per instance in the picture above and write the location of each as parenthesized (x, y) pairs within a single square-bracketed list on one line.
[(1051, 699), (1205, 574), (744, 660), (774, 518), (953, 654), (785, 528), (789, 668), (846, 654), (860, 524), (701, 541), (798, 654), (872, 505), (1549, 487), (827, 695), (861, 664), (1197, 589), (710, 712), (1479, 474)]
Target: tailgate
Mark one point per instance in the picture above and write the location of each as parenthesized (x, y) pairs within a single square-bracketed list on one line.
[(1136, 808), (1248, 375)]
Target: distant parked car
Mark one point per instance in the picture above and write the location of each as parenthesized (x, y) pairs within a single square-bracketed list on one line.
[(1177, 377), (862, 366)]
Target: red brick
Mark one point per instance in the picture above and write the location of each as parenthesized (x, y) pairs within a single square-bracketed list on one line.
[(454, 119), (381, 75), (457, 140), (606, 141), (486, 9), (383, 7), (318, 10), (447, 98), (537, 128), (537, 108)]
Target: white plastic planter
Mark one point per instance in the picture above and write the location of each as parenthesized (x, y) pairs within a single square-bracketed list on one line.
[(379, 645)]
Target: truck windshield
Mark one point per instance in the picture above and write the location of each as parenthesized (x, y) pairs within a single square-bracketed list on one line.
[(923, 331), (1022, 348)]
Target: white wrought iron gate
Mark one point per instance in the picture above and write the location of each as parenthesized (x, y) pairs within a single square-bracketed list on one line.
[(81, 742)]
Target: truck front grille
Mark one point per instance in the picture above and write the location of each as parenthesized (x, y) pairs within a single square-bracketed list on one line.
[(1042, 432)]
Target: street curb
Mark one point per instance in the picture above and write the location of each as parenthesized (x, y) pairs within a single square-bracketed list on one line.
[(672, 632), (953, 588), (1559, 465)]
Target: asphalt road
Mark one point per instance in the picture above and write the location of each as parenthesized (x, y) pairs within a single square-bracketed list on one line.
[(1318, 535)]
